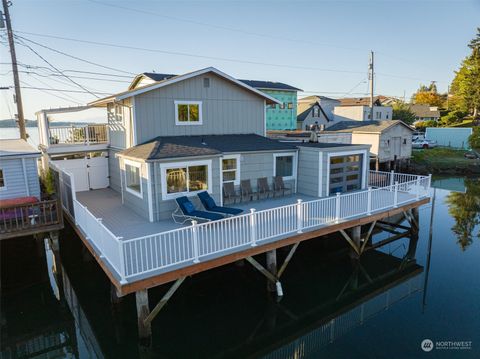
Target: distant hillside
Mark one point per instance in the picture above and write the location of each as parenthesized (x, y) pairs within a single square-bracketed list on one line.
[(29, 123)]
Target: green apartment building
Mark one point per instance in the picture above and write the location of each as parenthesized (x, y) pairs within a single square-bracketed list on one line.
[(279, 117)]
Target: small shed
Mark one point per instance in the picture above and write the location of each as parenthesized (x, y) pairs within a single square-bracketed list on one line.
[(327, 168), (18, 170), (449, 136)]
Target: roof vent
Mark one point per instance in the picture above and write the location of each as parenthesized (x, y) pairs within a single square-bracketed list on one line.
[(206, 82)]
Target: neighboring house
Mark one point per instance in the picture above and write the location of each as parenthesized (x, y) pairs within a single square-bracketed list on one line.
[(390, 140), (315, 111), (358, 109), (18, 170), (425, 112), (449, 136), (280, 116)]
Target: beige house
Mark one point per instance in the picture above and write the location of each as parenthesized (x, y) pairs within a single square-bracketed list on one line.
[(391, 141)]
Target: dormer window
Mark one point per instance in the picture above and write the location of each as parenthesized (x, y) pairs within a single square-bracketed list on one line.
[(188, 112), (316, 111)]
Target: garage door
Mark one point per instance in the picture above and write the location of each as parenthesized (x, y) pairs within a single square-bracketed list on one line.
[(90, 171), (345, 173)]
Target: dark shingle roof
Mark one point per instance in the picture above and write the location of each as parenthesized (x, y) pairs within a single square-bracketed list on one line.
[(211, 145), (269, 85), (424, 110), (158, 77), (364, 126)]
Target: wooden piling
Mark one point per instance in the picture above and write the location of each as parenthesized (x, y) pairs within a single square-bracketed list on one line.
[(143, 310), (355, 233), (272, 268)]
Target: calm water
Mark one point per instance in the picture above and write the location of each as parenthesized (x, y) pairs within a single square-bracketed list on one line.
[(332, 308), (15, 133)]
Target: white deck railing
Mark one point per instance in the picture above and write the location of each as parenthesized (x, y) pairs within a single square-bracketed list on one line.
[(192, 244), (78, 135)]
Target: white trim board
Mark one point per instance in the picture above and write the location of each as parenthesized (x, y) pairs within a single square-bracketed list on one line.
[(188, 123), (238, 157)]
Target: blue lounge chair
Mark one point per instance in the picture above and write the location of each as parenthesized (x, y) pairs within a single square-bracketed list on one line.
[(186, 211), (210, 205)]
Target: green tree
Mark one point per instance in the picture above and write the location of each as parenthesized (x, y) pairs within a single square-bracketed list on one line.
[(402, 112), (465, 209), (425, 124), (428, 95), (474, 139), (465, 88)]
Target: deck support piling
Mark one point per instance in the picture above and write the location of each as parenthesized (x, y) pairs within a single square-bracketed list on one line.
[(272, 268), (356, 233), (144, 328)]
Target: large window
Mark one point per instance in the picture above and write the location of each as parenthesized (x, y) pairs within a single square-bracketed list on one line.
[(181, 179), (133, 182), (188, 112), (231, 169), (284, 165), (2, 180)]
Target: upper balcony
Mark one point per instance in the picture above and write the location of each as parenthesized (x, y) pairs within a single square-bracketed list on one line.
[(73, 138)]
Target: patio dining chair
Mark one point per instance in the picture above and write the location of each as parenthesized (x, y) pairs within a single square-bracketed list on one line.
[(263, 187), (229, 192), (280, 187), (246, 190)]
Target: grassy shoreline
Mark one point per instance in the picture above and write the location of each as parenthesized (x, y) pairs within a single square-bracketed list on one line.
[(444, 161)]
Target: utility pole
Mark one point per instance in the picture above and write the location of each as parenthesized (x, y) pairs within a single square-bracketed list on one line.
[(370, 77), (16, 80)]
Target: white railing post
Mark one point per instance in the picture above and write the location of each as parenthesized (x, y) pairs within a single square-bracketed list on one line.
[(102, 233), (392, 179), (87, 135), (395, 195), (121, 252), (369, 201), (337, 207), (195, 241), (253, 226), (299, 216), (429, 183), (418, 188)]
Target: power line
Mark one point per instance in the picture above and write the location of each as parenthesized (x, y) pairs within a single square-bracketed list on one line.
[(48, 85), (72, 56), (61, 90), (186, 54), (56, 69), (48, 93)]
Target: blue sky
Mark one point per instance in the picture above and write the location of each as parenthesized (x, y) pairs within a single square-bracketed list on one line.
[(319, 46)]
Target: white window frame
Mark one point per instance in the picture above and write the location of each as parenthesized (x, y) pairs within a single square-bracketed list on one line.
[(118, 116), (139, 166), (4, 187), (163, 174), (189, 123), (237, 157), (294, 164)]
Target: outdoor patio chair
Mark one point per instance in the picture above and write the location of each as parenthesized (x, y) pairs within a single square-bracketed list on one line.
[(263, 187), (210, 205), (186, 211), (280, 187), (246, 190), (229, 191)]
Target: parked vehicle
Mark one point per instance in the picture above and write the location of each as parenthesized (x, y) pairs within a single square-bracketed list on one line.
[(471, 155), (424, 143), (417, 135)]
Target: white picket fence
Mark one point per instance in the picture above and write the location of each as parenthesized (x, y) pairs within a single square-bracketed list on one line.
[(197, 242)]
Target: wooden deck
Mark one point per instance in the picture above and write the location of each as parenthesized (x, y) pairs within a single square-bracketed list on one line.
[(143, 244)]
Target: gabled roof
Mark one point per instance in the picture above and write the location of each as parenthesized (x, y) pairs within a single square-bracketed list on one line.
[(360, 101), (17, 148), (365, 126), (169, 81), (168, 147), (304, 108), (314, 98), (269, 85), (424, 110), (152, 76)]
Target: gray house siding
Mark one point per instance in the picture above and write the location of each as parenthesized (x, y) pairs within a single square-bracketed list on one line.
[(15, 185), (308, 171), (114, 170), (226, 109)]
